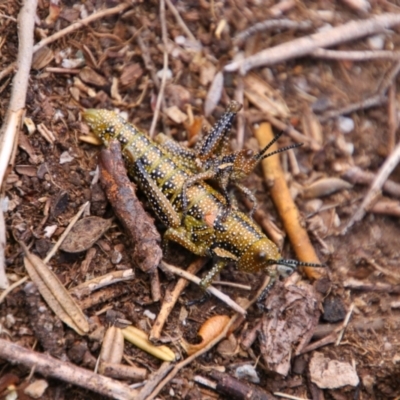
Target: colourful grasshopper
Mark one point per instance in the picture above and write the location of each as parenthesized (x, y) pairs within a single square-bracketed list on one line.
[(196, 215)]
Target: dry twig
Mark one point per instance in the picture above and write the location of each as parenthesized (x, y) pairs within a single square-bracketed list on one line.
[(375, 190), (308, 44), (180, 21), (10, 129), (358, 176), (285, 205), (160, 96), (67, 372), (271, 24), (356, 55), (184, 274)]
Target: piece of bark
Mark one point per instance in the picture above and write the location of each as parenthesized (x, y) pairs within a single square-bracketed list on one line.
[(120, 192), (292, 316), (230, 386)]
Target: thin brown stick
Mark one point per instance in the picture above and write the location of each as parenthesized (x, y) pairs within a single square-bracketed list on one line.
[(180, 21), (296, 135), (270, 24), (392, 117), (160, 96), (371, 287), (147, 59), (67, 372), (170, 299), (374, 191), (306, 45), (345, 323), (372, 101), (285, 205), (239, 97), (153, 380), (8, 70), (184, 274), (65, 233), (357, 176), (9, 130), (356, 55), (155, 285)]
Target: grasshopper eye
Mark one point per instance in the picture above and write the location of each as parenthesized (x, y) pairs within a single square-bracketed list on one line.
[(249, 154), (261, 255)]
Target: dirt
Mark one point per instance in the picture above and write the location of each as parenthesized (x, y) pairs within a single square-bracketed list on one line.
[(104, 66)]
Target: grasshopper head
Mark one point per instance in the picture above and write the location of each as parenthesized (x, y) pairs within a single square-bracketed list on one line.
[(261, 255)]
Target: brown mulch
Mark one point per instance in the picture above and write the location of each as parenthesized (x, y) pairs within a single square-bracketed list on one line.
[(345, 111)]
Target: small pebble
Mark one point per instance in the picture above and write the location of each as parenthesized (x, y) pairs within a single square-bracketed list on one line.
[(376, 42), (65, 157), (247, 372), (116, 257), (149, 315), (36, 389), (168, 74), (346, 124)]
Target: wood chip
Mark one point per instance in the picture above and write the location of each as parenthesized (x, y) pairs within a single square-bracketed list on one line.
[(91, 77), (264, 97), (85, 233), (325, 187), (176, 114), (214, 93), (112, 348), (42, 58), (331, 374)]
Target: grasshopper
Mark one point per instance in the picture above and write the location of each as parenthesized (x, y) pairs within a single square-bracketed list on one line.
[(197, 216)]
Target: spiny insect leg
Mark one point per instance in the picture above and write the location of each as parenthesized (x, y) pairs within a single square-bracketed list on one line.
[(249, 194), (264, 293), (181, 236), (215, 270), (216, 141), (158, 201), (183, 155)]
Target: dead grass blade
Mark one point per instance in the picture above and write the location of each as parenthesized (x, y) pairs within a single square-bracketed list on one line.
[(54, 293)]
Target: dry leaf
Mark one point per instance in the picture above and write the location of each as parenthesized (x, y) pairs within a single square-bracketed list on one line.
[(214, 94), (311, 125), (28, 170), (54, 293), (42, 58), (85, 233), (288, 325), (91, 77), (264, 97), (325, 187), (130, 74), (208, 331), (175, 114), (141, 340)]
